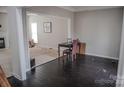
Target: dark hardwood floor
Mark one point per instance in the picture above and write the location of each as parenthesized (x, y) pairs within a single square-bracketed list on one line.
[(86, 71)]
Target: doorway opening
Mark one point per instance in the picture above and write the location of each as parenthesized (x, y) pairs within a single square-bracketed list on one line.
[(43, 45)]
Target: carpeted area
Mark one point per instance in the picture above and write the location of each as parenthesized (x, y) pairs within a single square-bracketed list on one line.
[(43, 55), (5, 61)]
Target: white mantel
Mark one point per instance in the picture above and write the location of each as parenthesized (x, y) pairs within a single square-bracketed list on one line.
[(4, 28)]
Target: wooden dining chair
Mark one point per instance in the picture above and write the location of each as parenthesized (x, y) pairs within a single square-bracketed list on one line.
[(3, 79), (74, 49), (67, 52), (72, 52)]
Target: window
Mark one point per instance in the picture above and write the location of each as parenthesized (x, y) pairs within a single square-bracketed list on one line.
[(34, 32)]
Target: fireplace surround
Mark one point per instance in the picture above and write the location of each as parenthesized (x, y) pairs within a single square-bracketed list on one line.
[(2, 43)]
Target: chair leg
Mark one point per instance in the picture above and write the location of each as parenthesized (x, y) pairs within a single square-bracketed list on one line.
[(75, 56), (72, 57), (63, 56), (67, 57)]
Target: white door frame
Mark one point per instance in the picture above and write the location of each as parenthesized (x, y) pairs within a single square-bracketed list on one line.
[(69, 32)]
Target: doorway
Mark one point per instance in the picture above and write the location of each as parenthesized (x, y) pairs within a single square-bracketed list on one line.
[(45, 44)]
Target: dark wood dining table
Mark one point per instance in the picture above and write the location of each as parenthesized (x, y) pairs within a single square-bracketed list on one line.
[(66, 45)]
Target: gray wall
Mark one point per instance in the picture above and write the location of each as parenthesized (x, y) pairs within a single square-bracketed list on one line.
[(54, 11), (101, 30), (59, 30)]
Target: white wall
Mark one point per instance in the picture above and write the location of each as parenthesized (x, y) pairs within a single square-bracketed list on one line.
[(26, 39), (120, 76), (4, 29), (53, 11), (101, 30), (17, 46), (59, 30)]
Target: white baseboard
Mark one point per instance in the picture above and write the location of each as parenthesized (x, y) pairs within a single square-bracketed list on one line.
[(102, 56), (120, 81), (17, 76), (28, 70), (9, 75)]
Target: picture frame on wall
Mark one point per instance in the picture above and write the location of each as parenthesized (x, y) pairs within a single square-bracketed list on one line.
[(47, 26)]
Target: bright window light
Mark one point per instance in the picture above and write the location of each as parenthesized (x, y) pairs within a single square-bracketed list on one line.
[(34, 32)]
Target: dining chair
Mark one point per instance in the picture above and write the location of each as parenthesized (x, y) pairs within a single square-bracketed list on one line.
[(67, 52), (31, 43), (72, 52), (74, 49)]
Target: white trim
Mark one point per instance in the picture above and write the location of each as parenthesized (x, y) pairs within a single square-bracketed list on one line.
[(102, 56), (44, 14), (9, 76), (25, 33), (86, 8), (21, 42), (28, 70), (120, 72), (17, 76), (120, 81), (16, 35)]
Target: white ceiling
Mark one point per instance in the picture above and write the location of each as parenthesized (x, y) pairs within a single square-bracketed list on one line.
[(86, 8), (3, 9)]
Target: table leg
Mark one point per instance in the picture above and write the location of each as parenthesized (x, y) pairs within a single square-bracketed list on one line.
[(79, 48), (58, 51)]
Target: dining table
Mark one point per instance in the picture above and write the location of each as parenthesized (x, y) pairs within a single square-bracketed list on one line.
[(68, 45)]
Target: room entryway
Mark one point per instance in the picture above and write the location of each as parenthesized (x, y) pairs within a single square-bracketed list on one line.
[(45, 32)]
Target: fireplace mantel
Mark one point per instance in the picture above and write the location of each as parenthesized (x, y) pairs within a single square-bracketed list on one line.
[(2, 42), (2, 39), (5, 35)]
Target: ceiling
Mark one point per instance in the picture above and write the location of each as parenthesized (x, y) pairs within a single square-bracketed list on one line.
[(3, 9), (86, 8)]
